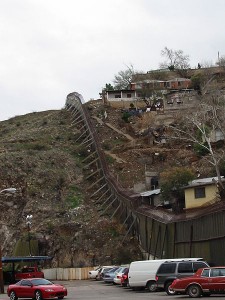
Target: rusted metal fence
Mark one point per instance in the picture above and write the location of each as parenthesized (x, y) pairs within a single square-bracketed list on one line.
[(161, 233)]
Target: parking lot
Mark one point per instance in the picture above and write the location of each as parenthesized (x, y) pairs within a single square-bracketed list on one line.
[(95, 290)]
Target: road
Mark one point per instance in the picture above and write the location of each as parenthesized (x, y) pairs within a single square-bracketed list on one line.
[(94, 290)]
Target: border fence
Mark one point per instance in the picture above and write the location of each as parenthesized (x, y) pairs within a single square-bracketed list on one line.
[(161, 234)]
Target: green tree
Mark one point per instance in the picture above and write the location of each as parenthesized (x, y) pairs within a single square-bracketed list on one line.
[(108, 87), (197, 80), (172, 182)]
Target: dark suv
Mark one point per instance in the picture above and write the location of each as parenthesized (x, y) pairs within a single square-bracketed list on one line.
[(170, 270)]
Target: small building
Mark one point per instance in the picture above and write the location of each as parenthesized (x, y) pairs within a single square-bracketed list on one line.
[(118, 95), (123, 98), (202, 192), (172, 84), (151, 197)]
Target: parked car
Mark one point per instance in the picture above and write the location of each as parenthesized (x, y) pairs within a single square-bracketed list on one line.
[(124, 278), (93, 273), (142, 273), (118, 275), (171, 270), (204, 282), (29, 272), (108, 276), (102, 271), (36, 288)]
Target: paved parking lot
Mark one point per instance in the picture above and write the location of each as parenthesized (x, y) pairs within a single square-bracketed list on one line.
[(95, 290)]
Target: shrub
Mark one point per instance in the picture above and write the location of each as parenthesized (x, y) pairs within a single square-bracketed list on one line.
[(74, 197), (172, 183), (200, 150), (126, 117)]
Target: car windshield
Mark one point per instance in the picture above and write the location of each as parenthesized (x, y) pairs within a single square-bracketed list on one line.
[(41, 282), (121, 270), (111, 270)]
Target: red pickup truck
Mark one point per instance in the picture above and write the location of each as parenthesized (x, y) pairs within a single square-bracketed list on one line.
[(29, 272)]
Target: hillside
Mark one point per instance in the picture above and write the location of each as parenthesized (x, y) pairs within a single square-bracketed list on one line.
[(137, 147), (39, 158)]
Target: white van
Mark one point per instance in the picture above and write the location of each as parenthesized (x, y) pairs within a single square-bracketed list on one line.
[(142, 273)]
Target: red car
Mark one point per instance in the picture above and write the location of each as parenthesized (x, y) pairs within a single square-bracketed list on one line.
[(124, 278), (204, 282), (36, 288)]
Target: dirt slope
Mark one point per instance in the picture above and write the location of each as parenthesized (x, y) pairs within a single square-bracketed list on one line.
[(38, 156)]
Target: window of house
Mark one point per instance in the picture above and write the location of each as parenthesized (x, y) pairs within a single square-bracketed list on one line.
[(200, 192), (168, 84), (117, 96), (128, 95)]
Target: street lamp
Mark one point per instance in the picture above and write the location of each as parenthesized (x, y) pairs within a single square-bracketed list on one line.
[(8, 190), (29, 223)]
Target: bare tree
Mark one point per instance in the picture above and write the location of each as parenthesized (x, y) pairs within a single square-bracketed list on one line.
[(221, 62), (175, 60), (123, 79), (206, 64), (198, 128)]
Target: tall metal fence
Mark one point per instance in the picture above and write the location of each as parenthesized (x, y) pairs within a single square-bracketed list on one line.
[(161, 233)]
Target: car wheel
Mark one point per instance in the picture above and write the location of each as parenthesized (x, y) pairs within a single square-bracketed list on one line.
[(13, 296), (194, 291), (38, 295), (151, 286), (61, 297), (168, 289)]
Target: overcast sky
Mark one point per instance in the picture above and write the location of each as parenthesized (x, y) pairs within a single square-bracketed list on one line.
[(50, 48)]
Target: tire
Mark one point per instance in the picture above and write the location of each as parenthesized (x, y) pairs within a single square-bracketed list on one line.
[(38, 295), (151, 286), (194, 291), (168, 290), (61, 297), (12, 296)]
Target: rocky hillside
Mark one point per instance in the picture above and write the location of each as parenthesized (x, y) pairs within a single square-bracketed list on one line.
[(137, 147), (39, 157)]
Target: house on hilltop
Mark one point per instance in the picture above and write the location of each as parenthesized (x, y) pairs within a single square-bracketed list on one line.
[(144, 90)]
